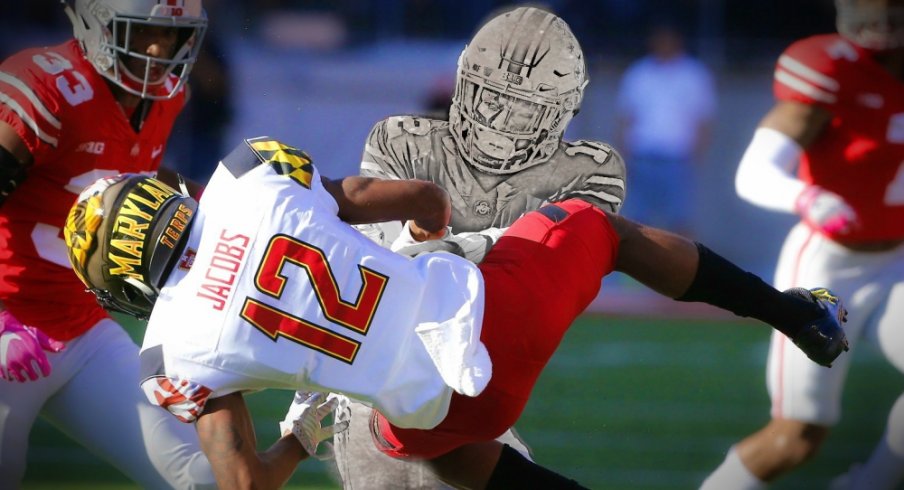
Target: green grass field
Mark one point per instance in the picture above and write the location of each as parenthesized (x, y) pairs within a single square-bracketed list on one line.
[(625, 404)]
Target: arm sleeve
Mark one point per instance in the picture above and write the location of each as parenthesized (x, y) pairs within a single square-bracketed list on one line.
[(765, 175), (31, 105)]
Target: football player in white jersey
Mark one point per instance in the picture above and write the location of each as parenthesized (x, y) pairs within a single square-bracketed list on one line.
[(832, 151), (520, 80), (265, 285)]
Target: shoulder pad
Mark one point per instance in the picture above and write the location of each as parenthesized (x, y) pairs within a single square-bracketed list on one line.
[(397, 143), (604, 179), (284, 159), (600, 152), (812, 70), (400, 125)]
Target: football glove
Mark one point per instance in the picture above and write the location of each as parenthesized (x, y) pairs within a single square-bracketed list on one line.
[(826, 211), (22, 356), (305, 418), (470, 245), (823, 340), (430, 246)]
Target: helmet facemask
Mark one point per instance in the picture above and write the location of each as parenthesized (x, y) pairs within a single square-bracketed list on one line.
[(124, 236), (877, 25), (107, 34), (520, 81)]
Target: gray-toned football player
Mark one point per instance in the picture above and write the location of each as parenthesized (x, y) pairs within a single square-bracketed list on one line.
[(520, 81)]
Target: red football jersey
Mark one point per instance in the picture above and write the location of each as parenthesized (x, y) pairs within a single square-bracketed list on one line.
[(860, 155), (67, 116)]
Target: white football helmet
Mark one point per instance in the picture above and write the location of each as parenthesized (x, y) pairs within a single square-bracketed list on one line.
[(520, 81), (874, 24), (104, 28)]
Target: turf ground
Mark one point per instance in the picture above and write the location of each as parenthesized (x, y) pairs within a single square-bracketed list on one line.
[(626, 403)]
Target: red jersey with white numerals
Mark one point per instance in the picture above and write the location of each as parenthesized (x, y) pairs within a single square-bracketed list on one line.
[(860, 155), (76, 131)]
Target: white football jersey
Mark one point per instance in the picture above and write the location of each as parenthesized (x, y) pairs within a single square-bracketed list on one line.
[(275, 291)]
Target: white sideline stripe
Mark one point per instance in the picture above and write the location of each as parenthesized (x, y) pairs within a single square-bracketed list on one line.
[(30, 95), (803, 87), (807, 73), (28, 120)]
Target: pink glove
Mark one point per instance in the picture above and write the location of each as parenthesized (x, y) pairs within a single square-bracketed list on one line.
[(826, 211), (22, 350)]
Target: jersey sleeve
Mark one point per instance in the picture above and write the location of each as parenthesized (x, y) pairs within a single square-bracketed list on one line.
[(605, 185), (390, 144), (182, 398), (30, 102), (811, 71)]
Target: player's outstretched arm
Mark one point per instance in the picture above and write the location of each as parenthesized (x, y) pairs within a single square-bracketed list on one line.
[(368, 200), (227, 438), (687, 271)]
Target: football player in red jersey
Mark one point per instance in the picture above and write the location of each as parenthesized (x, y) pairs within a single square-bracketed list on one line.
[(99, 104), (839, 120)]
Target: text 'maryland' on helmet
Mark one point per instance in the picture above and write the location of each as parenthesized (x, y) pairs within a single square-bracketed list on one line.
[(520, 81), (105, 29), (873, 24), (124, 235)]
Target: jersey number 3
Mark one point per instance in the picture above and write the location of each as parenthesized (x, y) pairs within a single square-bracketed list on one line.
[(355, 316)]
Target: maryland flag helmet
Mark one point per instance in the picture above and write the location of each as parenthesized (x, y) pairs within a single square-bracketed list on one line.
[(124, 235)]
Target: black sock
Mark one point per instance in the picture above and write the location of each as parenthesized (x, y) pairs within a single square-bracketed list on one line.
[(514, 471)]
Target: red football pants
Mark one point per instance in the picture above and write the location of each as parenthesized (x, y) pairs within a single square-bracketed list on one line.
[(538, 278)]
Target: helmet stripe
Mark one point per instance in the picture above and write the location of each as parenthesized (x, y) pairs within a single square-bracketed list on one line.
[(522, 50)]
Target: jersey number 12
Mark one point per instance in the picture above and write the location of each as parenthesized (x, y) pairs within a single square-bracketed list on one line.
[(274, 322)]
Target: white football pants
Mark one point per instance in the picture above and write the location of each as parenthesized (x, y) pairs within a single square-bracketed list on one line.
[(872, 286), (92, 395)]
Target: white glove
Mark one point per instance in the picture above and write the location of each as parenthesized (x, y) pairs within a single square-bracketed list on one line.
[(304, 420), (826, 211), (470, 245)]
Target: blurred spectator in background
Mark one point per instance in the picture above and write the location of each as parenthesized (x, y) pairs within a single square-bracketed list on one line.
[(665, 105), (201, 128)]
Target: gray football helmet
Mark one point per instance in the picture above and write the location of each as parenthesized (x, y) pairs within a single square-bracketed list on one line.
[(105, 29), (124, 235), (874, 24), (520, 81)]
